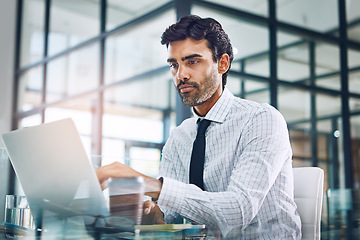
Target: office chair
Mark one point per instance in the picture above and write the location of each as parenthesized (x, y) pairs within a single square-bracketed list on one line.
[(308, 194)]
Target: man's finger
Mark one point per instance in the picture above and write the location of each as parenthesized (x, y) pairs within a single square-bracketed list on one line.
[(147, 206)]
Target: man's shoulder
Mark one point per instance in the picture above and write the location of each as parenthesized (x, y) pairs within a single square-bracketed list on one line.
[(243, 108), (249, 105)]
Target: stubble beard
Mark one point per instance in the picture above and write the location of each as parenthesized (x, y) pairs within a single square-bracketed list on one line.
[(202, 92)]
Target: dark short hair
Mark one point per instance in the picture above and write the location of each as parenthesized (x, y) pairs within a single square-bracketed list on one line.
[(199, 28)]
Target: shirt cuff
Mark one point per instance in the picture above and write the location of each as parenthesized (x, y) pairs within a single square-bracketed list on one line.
[(172, 195)]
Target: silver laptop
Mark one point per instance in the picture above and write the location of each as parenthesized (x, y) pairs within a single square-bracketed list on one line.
[(54, 170)]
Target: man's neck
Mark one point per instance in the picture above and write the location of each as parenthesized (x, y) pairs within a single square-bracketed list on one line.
[(204, 108)]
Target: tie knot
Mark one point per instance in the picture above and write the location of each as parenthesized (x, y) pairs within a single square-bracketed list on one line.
[(202, 126)]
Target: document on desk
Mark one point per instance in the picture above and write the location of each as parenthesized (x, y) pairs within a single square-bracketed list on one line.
[(169, 227)]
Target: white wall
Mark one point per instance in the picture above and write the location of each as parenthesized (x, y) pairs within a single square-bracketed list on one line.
[(7, 44)]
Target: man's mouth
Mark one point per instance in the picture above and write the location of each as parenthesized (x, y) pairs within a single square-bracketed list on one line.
[(186, 88)]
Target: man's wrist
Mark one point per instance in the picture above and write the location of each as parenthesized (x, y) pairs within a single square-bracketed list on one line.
[(155, 199), (153, 187)]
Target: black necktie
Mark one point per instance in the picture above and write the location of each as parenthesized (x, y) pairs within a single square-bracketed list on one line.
[(198, 155)]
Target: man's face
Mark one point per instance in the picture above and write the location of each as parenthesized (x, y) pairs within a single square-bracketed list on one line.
[(194, 72)]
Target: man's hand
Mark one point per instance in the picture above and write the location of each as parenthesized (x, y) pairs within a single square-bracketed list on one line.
[(119, 170), (152, 214)]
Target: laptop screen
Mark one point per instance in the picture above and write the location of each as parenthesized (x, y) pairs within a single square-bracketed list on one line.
[(54, 169)]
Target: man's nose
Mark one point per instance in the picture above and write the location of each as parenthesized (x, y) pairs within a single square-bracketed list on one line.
[(182, 73)]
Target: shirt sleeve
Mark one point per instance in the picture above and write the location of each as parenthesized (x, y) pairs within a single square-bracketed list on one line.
[(263, 149), (168, 170)]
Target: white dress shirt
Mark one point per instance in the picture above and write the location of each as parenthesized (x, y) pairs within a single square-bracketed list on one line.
[(248, 176)]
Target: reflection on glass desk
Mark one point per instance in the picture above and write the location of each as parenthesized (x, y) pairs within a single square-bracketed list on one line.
[(340, 220), (89, 227), (74, 228)]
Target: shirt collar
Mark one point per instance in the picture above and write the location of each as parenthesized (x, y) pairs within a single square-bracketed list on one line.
[(220, 110)]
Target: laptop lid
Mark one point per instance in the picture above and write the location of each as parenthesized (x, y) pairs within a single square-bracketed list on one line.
[(54, 170)]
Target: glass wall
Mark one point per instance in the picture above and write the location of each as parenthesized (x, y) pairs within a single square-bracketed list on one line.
[(32, 32), (100, 63), (72, 22)]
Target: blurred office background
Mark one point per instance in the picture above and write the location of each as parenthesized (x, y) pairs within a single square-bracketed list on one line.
[(100, 62)]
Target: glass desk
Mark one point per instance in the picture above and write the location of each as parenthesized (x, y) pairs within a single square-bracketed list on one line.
[(74, 228)]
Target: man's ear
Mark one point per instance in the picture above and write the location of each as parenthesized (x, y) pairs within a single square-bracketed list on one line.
[(223, 63)]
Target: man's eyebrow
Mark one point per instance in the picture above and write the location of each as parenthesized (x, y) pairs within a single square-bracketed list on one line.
[(184, 58), (190, 56)]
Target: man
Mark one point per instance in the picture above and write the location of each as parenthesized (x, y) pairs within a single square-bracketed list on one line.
[(246, 187)]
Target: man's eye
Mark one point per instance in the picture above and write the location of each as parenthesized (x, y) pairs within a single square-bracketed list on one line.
[(173, 65), (192, 62)]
